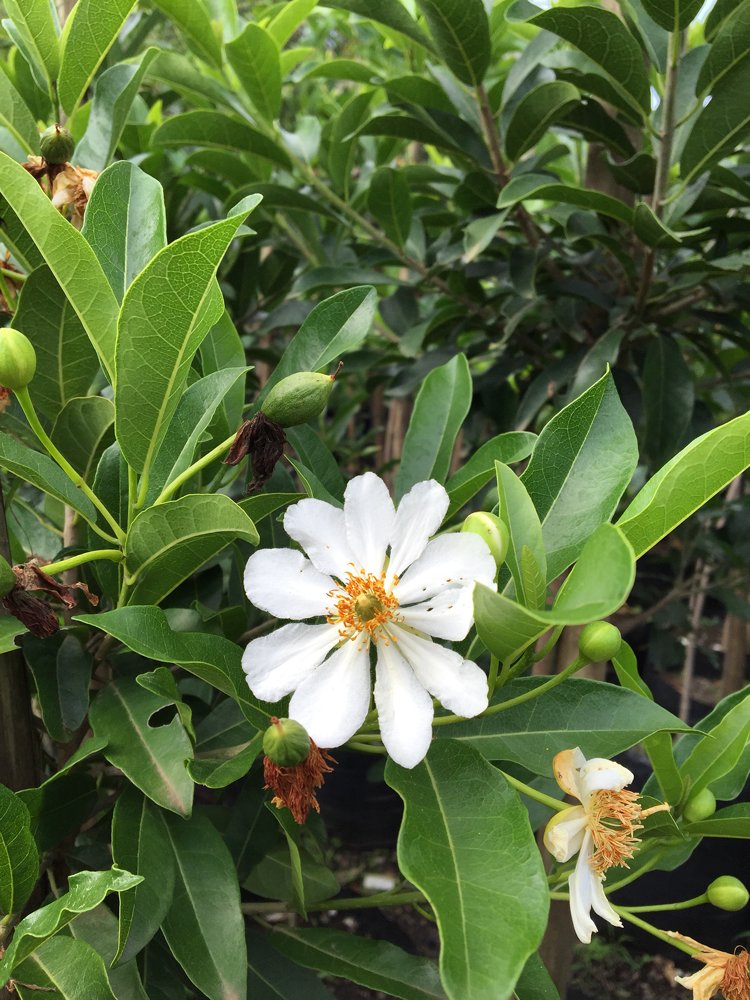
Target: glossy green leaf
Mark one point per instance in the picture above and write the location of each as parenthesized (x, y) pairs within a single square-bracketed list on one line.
[(730, 47), (16, 117), (224, 767), (705, 466), (69, 256), (717, 753), (183, 74), (734, 821), (284, 24), (264, 504), (86, 890), (192, 18), (152, 757), (335, 326), (391, 13), (439, 411), (82, 430), (673, 15), (254, 56), (222, 348), (90, 30), (42, 472), (270, 975), (668, 397), (155, 346), (532, 117), (17, 240), (70, 969), (377, 965), (469, 864), (603, 37), (66, 362), (212, 658), (389, 200), (222, 131), (537, 186), (204, 926), (59, 806), (602, 719), (313, 452), (516, 509), (479, 469), (114, 93), (125, 223), (140, 844), (166, 544), (37, 23), (461, 32), (721, 126), (62, 675), (19, 860), (626, 668), (535, 983)]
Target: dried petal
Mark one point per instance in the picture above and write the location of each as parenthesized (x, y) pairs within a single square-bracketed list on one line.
[(264, 441), (35, 614), (294, 787)]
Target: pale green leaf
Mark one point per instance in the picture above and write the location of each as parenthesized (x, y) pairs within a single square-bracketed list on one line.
[(16, 117), (254, 56), (283, 24), (90, 31), (82, 430), (192, 18), (70, 969), (479, 469), (41, 471), (37, 23)]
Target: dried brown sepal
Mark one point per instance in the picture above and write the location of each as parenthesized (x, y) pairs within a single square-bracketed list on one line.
[(38, 167), (261, 439), (294, 787), (30, 576), (35, 614), (5, 394)]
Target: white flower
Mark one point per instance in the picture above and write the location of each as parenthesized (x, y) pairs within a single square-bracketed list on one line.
[(376, 578)]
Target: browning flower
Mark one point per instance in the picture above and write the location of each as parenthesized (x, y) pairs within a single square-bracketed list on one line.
[(264, 441), (73, 186), (721, 971), (34, 613), (294, 787)]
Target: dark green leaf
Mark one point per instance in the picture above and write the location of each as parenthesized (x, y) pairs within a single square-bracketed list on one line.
[(82, 430), (391, 13), (89, 32), (214, 128), (673, 15), (730, 47), (535, 982), (19, 861), (270, 976), (668, 396), (534, 114), (721, 126), (62, 674), (734, 821), (533, 186), (254, 56), (389, 201), (42, 472), (462, 36), (194, 20), (70, 969)]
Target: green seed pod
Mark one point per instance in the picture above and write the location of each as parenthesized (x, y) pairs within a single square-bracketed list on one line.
[(701, 806), (599, 641), (56, 144), (727, 893), (286, 743), (7, 577), (297, 398), (17, 359), (494, 532)]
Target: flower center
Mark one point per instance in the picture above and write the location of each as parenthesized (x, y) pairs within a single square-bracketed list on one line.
[(613, 821), (362, 605)]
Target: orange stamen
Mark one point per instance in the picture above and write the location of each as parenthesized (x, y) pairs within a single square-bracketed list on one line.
[(613, 820), (363, 605)]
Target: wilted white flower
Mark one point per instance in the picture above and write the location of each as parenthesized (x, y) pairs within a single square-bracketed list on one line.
[(722, 971), (377, 579)]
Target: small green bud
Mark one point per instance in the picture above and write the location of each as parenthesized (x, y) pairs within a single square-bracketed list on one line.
[(286, 743), (492, 530), (298, 398), (7, 577), (701, 806), (17, 359), (727, 893), (56, 144), (599, 641)]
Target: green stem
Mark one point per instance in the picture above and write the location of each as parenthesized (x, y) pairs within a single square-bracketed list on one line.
[(686, 904), (492, 679), (377, 900), (546, 800), (14, 275), (365, 747), (207, 459), (549, 644), (5, 293), (22, 395), (61, 565), (662, 935)]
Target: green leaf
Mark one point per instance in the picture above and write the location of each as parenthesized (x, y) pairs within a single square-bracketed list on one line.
[(705, 466), (222, 131), (19, 860), (516, 509), (270, 976), (90, 30), (220, 771), (439, 411), (477, 471), (535, 982), (602, 719), (472, 864), (139, 841), (289, 18), (222, 349), (16, 117), (204, 926), (673, 15), (603, 37), (389, 200), (10, 628), (42, 472), (462, 36), (720, 127), (668, 397), (36, 22), (718, 752), (284, 818), (155, 347), (59, 806), (262, 505), (335, 326), (66, 362), (192, 18), (538, 186), (166, 544), (212, 658), (152, 757), (626, 668), (730, 47), (314, 453), (391, 13), (62, 675), (734, 821), (378, 965), (273, 877), (98, 928), (343, 144), (533, 115), (82, 430), (69, 256), (70, 969), (86, 890), (254, 56), (114, 93)]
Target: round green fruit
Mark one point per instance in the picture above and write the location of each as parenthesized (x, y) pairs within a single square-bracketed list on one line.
[(727, 893), (599, 641), (494, 532), (701, 806), (297, 398), (56, 144), (286, 743), (17, 359)]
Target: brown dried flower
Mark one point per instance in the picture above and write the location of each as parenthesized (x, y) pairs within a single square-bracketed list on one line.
[(36, 614), (294, 787), (264, 441), (721, 971)]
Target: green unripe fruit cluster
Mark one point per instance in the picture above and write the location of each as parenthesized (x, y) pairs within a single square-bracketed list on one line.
[(494, 532), (727, 893), (7, 577), (17, 359), (599, 641), (701, 806), (56, 144), (286, 743), (298, 398)]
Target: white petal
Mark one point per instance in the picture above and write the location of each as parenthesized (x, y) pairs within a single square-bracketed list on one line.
[(404, 708), (457, 683), (333, 701), (418, 517), (276, 664), (599, 774), (369, 515), (448, 561), (581, 886), (566, 766), (601, 904), (319, 529), (563, 836), (284, 583), (447, 615)]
